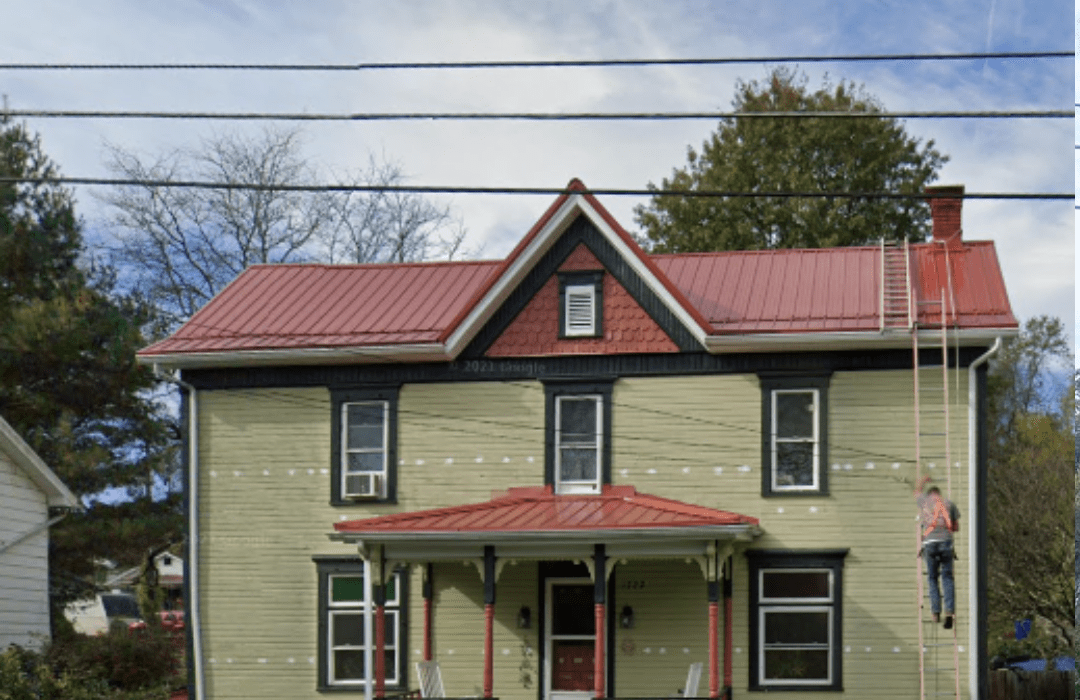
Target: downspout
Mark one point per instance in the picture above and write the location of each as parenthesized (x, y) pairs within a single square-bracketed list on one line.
[(192, 615), (977, 546)]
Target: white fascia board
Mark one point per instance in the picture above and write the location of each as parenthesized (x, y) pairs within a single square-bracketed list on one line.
[(56, 493), (780, 342), (657, 287), (426, 352), (541, 243), (512, 276)]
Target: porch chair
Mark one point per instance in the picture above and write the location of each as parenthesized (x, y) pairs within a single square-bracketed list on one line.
[(693, 680), (430, 677)]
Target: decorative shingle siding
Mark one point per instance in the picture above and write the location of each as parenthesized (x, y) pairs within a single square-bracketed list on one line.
[(581, 259), (627, 327)]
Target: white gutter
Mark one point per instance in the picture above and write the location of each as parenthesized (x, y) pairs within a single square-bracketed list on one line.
[(32, 531), (195, 622), (419, 352), (973, 534), (847, 340)]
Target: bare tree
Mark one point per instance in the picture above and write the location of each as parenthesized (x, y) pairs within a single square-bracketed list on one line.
[(387, 226), (181, 245)]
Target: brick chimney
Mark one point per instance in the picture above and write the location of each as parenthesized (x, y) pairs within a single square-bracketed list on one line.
[(945, 214)]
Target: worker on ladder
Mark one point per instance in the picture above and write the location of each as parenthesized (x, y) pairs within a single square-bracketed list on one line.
[(940, 519)]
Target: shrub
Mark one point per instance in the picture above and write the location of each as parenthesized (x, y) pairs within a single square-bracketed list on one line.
[(25, 675), (122, 659)]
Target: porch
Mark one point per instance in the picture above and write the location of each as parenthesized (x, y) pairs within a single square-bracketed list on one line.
[(578, 576)]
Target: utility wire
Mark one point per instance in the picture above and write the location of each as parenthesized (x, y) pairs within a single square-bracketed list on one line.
[(546, 191), (571, 63), (530, 116)]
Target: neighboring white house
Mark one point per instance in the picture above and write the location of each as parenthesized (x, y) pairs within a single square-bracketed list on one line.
[(170, 570), (28, 489)]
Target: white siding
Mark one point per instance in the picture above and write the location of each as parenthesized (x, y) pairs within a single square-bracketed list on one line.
[(24, 569)]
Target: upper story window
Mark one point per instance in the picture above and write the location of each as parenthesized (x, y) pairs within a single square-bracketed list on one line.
[(578, 450), (794, 431), (580, 304), (364, 446)]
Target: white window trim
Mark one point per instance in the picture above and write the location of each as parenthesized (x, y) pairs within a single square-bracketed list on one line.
[(563, 486), (785, 570), (368, 611), (384, 451), (762, 646), (577, 291), (815, 440)]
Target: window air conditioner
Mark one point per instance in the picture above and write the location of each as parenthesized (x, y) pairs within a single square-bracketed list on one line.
[(363, 486)]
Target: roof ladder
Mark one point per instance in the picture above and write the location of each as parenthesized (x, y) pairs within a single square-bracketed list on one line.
[(932, 440), (896, 306)]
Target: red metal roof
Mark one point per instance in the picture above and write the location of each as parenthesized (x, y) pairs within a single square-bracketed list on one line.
[(297, 307), (327, 306), (538, 509), (834, 289)]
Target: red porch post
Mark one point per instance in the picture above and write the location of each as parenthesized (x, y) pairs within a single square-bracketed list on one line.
[(489, 620), (598, 657), (600, 618), (727, 628), (379, 593), (714, 640), (427, 613)]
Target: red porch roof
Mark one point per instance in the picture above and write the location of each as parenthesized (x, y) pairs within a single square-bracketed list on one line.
[(536, 509)]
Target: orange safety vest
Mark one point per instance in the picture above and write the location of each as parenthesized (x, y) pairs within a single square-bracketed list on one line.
[(938, 513)]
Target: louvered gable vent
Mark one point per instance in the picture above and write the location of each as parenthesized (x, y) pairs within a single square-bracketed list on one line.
[(580, 309)]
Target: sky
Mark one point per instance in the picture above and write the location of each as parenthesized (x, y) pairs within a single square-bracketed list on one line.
[(1035, 239)]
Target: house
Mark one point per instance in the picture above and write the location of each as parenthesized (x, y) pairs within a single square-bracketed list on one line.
[(170, 578), (580, 470), (32, 499)]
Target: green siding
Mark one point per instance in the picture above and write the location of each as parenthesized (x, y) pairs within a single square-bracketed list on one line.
[(264, 506)]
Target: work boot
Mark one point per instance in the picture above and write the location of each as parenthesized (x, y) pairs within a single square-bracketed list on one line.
[(937, 618), (948, 621)]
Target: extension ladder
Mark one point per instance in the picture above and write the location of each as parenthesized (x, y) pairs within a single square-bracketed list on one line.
[(937, 678)]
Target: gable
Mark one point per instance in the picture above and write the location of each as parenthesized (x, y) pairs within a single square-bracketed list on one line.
[(626, 326), (526, 323)]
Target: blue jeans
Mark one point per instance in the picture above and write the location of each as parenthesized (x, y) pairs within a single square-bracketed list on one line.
[(939, 558)]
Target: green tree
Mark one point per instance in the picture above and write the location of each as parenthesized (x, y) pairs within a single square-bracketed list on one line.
[(69, 383), (795, 154), (1030, 504)]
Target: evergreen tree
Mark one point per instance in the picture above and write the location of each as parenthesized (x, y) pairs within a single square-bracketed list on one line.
[(69, 383), (795, 154)]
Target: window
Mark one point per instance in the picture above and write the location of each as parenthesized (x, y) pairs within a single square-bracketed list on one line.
[(580, 304), (363, 446), (347, 621), (578, 449), (795, 619), (794, 410)]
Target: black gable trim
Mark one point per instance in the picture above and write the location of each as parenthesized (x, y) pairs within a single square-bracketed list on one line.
[(581, 231), (549, 368)]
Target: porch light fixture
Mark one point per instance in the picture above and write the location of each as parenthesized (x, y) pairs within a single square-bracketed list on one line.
[(524, 618), (626, 617)]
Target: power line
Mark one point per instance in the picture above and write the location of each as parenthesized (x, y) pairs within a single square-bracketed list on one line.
[(546, 191), (530, 116), (570, 63)]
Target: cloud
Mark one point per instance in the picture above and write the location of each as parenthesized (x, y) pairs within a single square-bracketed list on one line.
[(1034, 239)]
